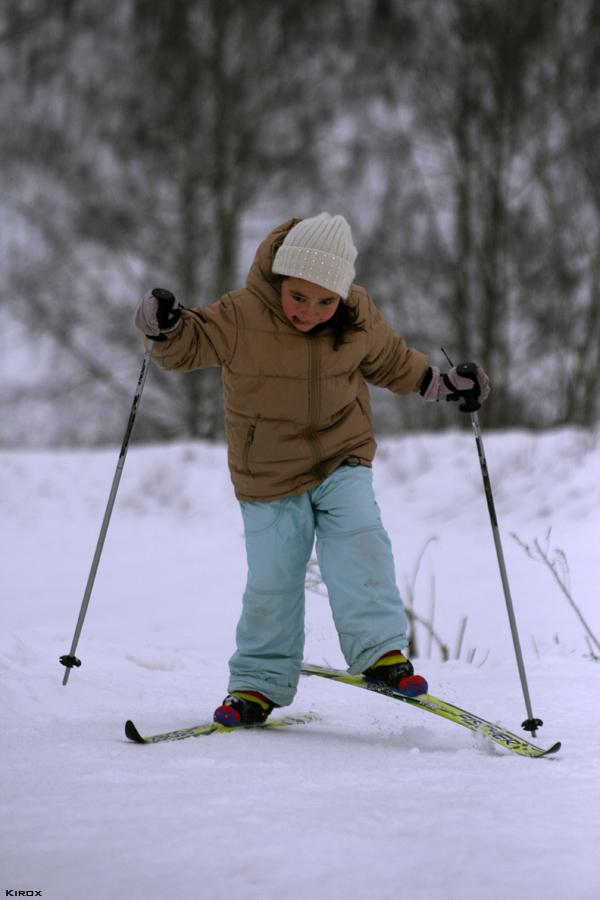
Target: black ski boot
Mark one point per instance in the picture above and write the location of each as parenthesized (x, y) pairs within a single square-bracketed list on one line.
[(396, 671), (244, 708)]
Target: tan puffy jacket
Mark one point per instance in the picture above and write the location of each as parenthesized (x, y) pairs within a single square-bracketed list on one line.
[(295, 408)]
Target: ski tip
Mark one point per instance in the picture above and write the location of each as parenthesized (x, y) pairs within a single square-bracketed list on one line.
[(553, 749), (133, 734)]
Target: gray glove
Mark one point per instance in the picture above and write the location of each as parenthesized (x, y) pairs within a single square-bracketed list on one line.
[(448, 387), (158, 313)]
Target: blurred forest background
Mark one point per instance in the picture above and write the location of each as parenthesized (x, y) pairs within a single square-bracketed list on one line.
[(156, 142)]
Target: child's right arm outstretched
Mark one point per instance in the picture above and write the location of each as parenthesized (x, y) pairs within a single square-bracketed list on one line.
[(188, 339)]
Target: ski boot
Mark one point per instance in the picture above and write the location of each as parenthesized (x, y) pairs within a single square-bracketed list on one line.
[(396, 671), (244, 708)]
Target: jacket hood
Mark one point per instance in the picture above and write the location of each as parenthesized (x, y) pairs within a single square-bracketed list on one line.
[(261, 280)]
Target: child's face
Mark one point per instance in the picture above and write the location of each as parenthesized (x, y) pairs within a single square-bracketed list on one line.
[(307, 304)]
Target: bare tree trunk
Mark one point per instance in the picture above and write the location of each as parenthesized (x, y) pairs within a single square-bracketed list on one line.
[(462, 307)]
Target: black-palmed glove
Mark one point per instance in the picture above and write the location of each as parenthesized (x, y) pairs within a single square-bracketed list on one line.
[(158, 313), (452, 385)]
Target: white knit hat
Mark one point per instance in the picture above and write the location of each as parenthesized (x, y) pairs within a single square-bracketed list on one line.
[(319, 250)]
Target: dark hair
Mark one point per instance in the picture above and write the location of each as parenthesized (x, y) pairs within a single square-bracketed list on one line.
[(343, 321)]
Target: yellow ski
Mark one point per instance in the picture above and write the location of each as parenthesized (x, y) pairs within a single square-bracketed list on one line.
[(439, 708), (198, 730)]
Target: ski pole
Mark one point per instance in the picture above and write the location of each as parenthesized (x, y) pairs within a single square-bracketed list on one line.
[(470, 405), (70, 660)]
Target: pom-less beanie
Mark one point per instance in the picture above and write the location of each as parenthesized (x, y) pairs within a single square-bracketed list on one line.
[(319, 250)]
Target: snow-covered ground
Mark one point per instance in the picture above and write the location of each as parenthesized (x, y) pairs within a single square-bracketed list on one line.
[(374, 800)]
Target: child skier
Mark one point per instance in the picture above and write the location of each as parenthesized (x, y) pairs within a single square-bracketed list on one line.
[(296, 347)]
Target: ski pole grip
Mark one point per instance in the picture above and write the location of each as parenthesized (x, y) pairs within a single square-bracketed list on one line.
[(467, 370), (165, 305), (162, 294)]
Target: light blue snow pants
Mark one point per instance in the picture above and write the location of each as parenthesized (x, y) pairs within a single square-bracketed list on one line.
[(356, 562)]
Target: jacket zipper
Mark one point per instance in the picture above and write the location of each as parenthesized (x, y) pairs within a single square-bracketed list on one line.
[(314, 399)]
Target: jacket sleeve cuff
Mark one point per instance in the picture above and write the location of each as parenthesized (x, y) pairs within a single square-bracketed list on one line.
[(425, 382)]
